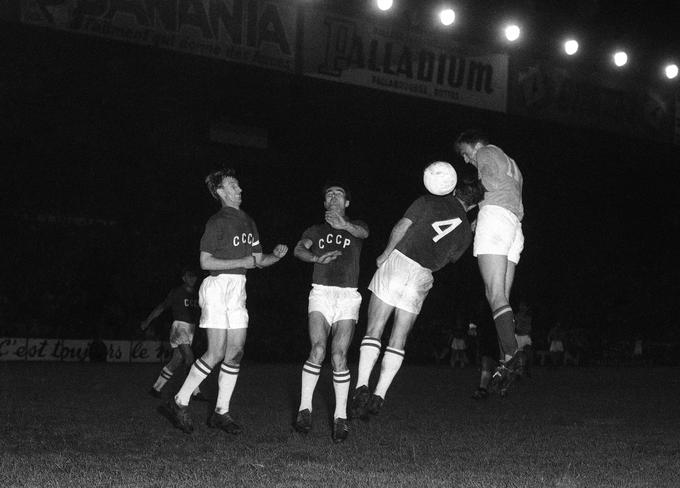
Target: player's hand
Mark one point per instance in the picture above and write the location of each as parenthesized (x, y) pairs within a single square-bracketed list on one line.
[(249, 262), (280, 251), (335, 220), (328, 257), (381, 259), (143, 325)]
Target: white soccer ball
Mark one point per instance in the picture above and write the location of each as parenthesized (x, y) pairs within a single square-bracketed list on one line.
[(440, 178)]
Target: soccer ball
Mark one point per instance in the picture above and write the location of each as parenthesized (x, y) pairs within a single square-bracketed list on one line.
[(440, 178)]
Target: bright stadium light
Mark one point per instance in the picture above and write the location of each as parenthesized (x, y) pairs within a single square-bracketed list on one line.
[(620, 58), (385, 5), (512, 32), (571, 47), (671, 71), (447, 16)]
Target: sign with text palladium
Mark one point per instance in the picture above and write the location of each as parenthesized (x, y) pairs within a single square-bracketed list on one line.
[(363, 53)]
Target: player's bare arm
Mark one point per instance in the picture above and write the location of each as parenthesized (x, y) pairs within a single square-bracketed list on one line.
[(211, 263), (264, 260), (397, 234), (303, 253), (155, 313), (338, 221)]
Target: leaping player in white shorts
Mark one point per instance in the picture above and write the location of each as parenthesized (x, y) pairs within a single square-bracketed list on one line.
[(498, 237), (433, 232)]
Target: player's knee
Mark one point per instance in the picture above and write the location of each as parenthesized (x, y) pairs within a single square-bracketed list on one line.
[(317, 353)]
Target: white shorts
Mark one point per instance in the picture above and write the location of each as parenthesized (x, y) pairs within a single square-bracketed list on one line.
[(181, 333), (402, 283), (523, 341), (334, 303), (223, 302), (458, 344), (498, 231), (556, 346)]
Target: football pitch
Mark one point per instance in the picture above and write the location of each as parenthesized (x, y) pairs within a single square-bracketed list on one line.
[(66, 424)]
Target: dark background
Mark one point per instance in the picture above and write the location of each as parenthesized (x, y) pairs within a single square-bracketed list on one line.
[(105, 147)]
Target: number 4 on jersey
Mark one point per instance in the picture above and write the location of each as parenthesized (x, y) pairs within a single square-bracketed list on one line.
[(443, 227)]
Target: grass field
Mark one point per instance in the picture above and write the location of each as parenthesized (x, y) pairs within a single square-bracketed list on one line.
[(94, 425)]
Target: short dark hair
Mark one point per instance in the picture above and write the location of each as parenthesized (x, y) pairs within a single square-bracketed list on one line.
[(469, 189), (188, 269), (214, 180), (340, 184), (472, 137)]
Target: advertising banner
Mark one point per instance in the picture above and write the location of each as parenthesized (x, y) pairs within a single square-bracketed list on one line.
[(78, 350), (255, 32), (362, 52)]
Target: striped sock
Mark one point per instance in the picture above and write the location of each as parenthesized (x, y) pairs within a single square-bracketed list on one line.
[(368, 355), (388, 369), (341, 388), (198, 372), (163, 378), (310, 375), (504, 320), (226, 382)]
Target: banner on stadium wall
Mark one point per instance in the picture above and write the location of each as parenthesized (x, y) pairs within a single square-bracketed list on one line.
[(74, 350), (676, 139), (362, 52), (255, 32), (545, 92)]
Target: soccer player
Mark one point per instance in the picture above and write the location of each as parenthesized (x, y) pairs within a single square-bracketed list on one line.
[(183, 302), (229, 247), (498, 236), (335, 248), (433, 232)]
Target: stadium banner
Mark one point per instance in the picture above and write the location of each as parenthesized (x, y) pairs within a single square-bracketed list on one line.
[(677, 119), (543, 91), (255, 32), (366, 53), (77, 350)]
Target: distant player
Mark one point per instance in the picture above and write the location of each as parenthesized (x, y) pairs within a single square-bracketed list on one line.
[(335, 248), (433, 232), (229, 247), (498, 236), (183, 302)]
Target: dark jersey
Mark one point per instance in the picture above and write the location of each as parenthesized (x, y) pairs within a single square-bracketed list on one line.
[(230, 234), (344, 271), (440, 232), (184, 305)]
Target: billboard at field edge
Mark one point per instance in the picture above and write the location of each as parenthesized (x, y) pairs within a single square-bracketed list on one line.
[(78, 350)]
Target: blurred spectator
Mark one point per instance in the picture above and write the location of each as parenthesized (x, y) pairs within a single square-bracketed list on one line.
[(458, 346), (556, 338)]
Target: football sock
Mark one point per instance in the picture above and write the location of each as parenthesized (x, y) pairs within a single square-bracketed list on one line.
[(198, 372), (504, 320), (226, 382), (341, 387), (310, 375), (388, 369), (163, 378), (368, 355)]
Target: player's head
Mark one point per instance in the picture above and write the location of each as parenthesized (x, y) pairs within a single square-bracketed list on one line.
[(469, 189), (224, 186), (336, 195), (469, 142), (189, 275)]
